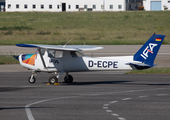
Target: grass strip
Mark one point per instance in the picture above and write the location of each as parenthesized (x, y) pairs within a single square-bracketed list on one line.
[(8, 59), (91, 28)]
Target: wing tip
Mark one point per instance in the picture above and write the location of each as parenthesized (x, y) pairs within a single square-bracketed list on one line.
[(25, 45)]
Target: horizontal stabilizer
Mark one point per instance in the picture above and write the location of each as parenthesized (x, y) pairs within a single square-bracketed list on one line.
[(139, 66)]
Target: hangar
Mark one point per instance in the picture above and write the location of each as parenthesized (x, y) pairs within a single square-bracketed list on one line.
[(156, 5), (82, 5)]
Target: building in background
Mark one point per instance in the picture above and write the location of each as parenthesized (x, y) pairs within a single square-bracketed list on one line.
[(156, 5), (66, 5), (82, 5)]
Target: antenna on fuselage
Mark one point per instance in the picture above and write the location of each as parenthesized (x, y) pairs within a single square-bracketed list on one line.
[(67, 43)]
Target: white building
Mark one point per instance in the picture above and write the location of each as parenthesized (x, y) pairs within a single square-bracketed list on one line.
[(65, 5), (83, 5), (156, 5)]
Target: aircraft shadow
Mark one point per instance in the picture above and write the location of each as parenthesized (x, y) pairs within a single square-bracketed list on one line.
[(6, 89), (16, 108), (92, 83), (149, 84), (111, 82), (115, 82)]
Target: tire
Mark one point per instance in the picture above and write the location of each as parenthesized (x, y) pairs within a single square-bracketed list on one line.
[(68, 79), (53, 79), (31, 80)]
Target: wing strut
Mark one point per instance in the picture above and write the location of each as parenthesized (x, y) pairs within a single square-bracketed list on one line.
[(39, 50)]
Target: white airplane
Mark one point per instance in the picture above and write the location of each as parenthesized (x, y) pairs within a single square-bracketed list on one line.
[(69, 58)]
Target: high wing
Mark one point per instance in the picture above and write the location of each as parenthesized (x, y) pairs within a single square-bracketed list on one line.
[(62, 48)]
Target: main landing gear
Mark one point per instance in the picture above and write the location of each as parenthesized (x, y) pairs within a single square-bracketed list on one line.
[(52, 79), (68, 78)]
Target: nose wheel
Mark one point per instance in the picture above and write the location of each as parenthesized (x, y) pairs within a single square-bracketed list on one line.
[(31, 79)]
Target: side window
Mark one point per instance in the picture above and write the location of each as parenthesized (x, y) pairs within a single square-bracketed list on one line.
[(76, 54), (58, 54), (42, 6), (33, 6), (50, 6), (73, 54), (9, 6), (17, 5), (25, 6), (111, 6), (69, 6), (119, 6), (77, 6), (58, 6), (85, 6), (94, 6), (55, 54)]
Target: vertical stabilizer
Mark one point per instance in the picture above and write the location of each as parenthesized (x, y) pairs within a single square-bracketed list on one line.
[(147, 53)]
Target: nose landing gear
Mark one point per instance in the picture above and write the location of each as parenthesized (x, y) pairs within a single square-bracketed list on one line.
[(32, 79)]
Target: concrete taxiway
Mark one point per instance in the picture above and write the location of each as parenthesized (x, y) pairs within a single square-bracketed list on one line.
[(93, 96)]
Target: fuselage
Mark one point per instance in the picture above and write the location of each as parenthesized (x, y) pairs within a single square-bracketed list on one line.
[(71, 62)]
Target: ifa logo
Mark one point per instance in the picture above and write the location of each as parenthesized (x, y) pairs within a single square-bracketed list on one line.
[(147, 50)]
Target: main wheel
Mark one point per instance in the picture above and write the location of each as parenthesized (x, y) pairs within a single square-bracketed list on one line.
[(31, 80), (68, 79), (53, 79)]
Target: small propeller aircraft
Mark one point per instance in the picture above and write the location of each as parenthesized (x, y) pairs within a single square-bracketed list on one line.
[(69, 58)]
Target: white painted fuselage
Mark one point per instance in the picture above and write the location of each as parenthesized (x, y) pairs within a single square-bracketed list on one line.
[(71, 63)]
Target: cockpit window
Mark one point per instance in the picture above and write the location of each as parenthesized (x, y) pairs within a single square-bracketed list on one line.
[(58, 54), (75, 54), (54, 53)]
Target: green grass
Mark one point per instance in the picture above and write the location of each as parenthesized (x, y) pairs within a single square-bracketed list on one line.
[(8, 59), (151, 71), (101, 28)]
